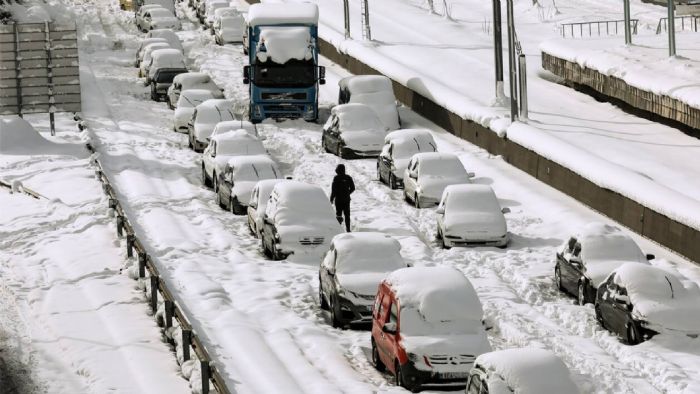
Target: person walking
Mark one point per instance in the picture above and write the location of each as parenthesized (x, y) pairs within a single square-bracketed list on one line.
[(341, 189)]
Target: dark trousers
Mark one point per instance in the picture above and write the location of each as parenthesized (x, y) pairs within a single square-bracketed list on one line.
[(343, 208)]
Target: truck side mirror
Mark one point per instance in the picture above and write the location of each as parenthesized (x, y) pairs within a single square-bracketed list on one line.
[(322, 75), (246, 75)]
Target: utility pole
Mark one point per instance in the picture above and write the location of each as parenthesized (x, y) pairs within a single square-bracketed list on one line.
[(346, 11), (511, 63), (628, 32), (671, 28), (498, 49)]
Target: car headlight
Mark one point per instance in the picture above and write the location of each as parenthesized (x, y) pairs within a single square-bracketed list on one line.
[(257, 111), (413, 357)]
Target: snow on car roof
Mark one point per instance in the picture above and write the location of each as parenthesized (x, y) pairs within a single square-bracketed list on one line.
[(603, 242), (529, 370), (647, 282), (241, 161), (231, 125), (472, 197), (197, 94), (368, 252), (359, 84), (192, 78), (231, 135), (284, 43), (168, 57), (168, 35), (302, 197), (160, 12), (275, 14), (439, 293), (422, 134), (438, 163)]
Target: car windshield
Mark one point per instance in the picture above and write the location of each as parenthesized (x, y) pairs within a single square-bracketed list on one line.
[(293, 73), (192, 100), (166, 76), (359, 260), (404, 149), (359, 120), (161, 13), (215, 114), (414, 324), (472, 202), (442, 167), (241, 146), (255, 172), (617, 247)]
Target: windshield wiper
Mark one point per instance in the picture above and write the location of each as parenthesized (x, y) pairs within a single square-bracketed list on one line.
[(669, 285), (256, 172)]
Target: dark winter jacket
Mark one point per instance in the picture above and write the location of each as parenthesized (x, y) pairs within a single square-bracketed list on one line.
[(342, 188)]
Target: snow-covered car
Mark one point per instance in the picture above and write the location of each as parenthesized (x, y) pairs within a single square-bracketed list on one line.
[(350, 274), (157, 18), (522, 371), (638, 301), (161, 80), (470, 214), (224, 146), (235, 183), (210, 9), (144, 44), (376, 91), (298, 219), (186, 104), (257, 204), (167, 4), (168, 35), (167, 60), (146, 55), (231, 125), (204, 5), (399, 147), (427, 327), (192, 80), (428, 174), (229, 29), (204, 119), (353, 130), (590, 255)]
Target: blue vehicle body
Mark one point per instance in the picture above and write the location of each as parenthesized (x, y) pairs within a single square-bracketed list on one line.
[(288, 90)]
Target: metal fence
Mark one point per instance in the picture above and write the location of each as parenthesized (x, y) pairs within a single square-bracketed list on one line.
[(599, 28), (686, 22)]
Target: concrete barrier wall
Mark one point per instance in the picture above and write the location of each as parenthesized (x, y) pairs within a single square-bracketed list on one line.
[(678, 237)]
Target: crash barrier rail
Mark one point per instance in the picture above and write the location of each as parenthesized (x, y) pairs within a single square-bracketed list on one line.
[(610, 27), (147, 270), (21, 188), (677, 236), (689, 21)]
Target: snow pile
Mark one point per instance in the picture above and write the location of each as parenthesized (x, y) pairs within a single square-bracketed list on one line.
[(363, 252), (18, 137), (281, 44), (38, 12), (529, 370), (275, 14)]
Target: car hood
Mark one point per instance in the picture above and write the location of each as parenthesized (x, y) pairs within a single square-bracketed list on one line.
[(475, 224), (433, 186), (242, 190), (681, 317), (203, 130), (362, 284), (363, 140)]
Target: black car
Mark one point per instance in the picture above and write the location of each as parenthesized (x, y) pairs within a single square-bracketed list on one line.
[(613, 310), (353, 131), (589, 257), (399, 147), (162, 79), (234, 185)]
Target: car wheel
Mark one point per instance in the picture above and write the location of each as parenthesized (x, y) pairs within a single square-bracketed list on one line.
[(205, 179), (599, 316), (189, 142), (376, 361), (335, 322), (321, 300), (405, 197), (236, 208), (633, 337), (557, 278), (154, 95), (392, 181), (250, 228), (416, 201), (581, 293), (401, 381), (266, 251), (379, 175), (170, 104), (339, 151)]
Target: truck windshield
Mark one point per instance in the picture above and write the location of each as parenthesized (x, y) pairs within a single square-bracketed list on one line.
[(293, 73)]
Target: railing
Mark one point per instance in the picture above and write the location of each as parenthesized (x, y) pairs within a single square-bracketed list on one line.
[(612, 27), (690, 21)]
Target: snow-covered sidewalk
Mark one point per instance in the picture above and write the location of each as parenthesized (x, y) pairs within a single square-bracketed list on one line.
[(72, 320)]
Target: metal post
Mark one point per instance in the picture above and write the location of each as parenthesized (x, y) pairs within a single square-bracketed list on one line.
[(204, 368), (498, 48), (142, 264), (522, 75), (628, 33), (671, 28), (511, 63), (120, 225), (154, 293), (186, 342), (346, 11), (130, 239), (49, 79), (368, 32), (169, 312), (18, 70)]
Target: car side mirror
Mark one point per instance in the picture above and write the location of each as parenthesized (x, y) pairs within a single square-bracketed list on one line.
[(413, 175), (389, 328), (331, 271), (505, 210), (622, 299), (246, 75), (321, 75), (440, 210), (650, 256), (471, 174)]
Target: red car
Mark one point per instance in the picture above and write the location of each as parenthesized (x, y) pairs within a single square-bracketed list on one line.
[(427, 327)]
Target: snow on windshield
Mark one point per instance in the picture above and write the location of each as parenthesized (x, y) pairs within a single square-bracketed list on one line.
[(191, 98), (283, 43), (354, 117), (161, 13), (215, 113), (240, 146), (368, 252), (444, 166), (471, 198), (413, 323), (611, 247), (255, 172), (404, 148)]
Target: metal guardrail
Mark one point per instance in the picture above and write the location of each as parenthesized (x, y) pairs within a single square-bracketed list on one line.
[(691, 21), (134, 246), (611, 27), (23, 189)]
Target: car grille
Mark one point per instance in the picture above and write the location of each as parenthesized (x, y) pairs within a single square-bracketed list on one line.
[(311, 240), (284, 96), (443, 359), (283, 110)]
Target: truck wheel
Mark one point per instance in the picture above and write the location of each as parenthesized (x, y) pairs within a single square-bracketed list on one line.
[(633, 337)]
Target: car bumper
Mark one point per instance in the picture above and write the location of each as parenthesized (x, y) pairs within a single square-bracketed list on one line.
[(351, 153), (417, 377), (451, 240), (353, 314)]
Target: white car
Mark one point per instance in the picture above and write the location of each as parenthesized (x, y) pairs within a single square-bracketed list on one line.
[(144, 44), (470, 214), (204, 119), (520, 370), (166, 58), (229, 29), (375, 91), (232, 125), (146, 54), (399, 147), (353, 130), (235, 184), (350, 274), (258, 202), (209, 11), (158, 18), (428, 174), (299, 219), (192, 80), (167, 4), (168, 35), (186, 104), (222, 147), (638, 301)]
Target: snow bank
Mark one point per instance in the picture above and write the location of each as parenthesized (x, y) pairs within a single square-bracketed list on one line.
[(282, 44), (275, 14), (18, 137), (36, 12)]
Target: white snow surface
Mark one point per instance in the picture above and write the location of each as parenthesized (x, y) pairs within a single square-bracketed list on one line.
[(472, 212), (363, 252), (277, 14), (284, 43)]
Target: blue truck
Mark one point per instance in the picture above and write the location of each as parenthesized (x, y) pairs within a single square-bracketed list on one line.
[(283, 71)]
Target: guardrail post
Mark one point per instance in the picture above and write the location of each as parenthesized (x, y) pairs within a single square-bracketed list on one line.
[(522, 76), (130, 239), (628, 33), (169, 311), (671, 28), (204, 368), (112, 204), (120, 225), (346, 12), (154, 293), (142, 264), (186, 342)]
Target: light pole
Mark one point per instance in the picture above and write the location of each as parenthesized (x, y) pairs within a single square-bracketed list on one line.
[(498, 49), (511, 63), (346, 12), (671, 28), (628, 32)]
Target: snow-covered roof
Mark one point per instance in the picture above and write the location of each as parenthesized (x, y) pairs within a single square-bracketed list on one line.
[(472, 198), (284, 43), (603, 242), (215, 111), (282, 13), (421, 134), (367, 252), (232, 125), (194, 96), (160, 12), (439, 293), (168, 35), (168, 57), (192, 78), (529, 370), (357, 117), (238, 142), (359, 84), (439, 163)]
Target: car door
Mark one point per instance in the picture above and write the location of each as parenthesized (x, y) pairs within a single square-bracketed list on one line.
[(619, 311), (605, 302), (226, 184), (208, 158), (572, 268), (410, 180), (252, 208), (383, 162), (382, 340), (334, 134), (440, 211), (328, 273)]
